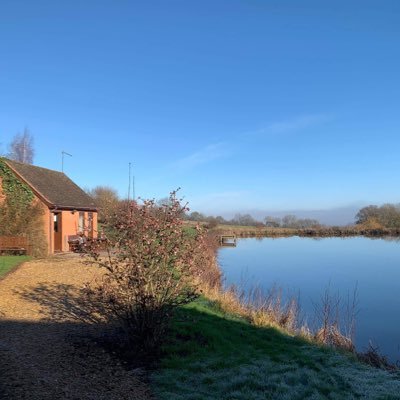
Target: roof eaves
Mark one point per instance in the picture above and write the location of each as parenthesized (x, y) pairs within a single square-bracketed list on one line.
[(61, 207)]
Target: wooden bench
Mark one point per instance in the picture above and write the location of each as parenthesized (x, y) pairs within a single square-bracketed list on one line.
[(13, 245), (76, 242)]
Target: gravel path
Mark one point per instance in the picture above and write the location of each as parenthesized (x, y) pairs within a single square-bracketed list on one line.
[(45, 347)]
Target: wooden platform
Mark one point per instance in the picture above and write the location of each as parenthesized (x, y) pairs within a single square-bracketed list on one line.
[(227, 240)]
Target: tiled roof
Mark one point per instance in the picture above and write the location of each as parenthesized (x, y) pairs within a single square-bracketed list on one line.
[(54, 187)]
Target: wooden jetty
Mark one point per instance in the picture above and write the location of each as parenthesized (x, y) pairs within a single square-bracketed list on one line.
[(227, 240)]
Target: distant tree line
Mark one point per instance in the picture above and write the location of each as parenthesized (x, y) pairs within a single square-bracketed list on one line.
[(372, 216), (291, 221), (385, 216), (238, 219), (288, 221)]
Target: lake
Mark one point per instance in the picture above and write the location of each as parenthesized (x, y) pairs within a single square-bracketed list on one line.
[(308, 266)]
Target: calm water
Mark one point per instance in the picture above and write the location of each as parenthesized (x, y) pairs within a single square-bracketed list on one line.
[(308, 266)]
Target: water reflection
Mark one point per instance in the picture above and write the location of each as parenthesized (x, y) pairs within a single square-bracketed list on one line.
[(309, 265)]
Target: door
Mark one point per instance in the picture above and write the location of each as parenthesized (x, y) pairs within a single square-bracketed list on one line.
[(57, 231)]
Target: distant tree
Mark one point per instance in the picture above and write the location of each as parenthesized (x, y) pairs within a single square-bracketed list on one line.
[(196, 216), (367, 213), (308, 223), (289, 221), (244, 219), (221, 220), (106, 199), (21, 148), (164, 201), (211, 221), (387, 215), (272, 222)]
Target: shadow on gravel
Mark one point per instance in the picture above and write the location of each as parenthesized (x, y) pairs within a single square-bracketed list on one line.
[(62, 355), (54, 361), (68, 303), (61, 302)]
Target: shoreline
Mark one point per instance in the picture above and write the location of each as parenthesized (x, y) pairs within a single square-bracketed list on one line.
[(248, 232)]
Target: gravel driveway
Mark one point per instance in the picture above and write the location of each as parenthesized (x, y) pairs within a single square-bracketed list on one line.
[(45, 346)]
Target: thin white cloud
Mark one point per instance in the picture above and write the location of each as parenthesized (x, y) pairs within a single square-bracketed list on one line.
[(203, 156), (221, 150), (292, 125)]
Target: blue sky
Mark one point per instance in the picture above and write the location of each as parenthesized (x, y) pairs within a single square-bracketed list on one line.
[(245, 105)]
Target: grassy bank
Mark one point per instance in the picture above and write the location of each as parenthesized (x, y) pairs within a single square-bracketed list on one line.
[(7, 263), (334, 231), (213, 355)]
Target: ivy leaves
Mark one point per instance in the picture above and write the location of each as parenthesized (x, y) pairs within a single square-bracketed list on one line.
[(16, 192)]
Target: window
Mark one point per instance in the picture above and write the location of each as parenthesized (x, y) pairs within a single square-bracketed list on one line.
[(81, 223), (90, 224), (56, 219)]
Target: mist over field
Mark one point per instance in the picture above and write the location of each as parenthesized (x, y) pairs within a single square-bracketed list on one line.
[(334, 216)]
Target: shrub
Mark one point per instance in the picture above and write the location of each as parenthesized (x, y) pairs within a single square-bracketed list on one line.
[(152, 266)]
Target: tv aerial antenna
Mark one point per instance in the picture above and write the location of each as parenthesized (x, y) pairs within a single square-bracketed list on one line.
[(131, 181), (63, 153)]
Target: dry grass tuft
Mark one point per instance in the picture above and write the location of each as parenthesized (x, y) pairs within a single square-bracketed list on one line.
[(374, 358), (259, 309), (268, 309)]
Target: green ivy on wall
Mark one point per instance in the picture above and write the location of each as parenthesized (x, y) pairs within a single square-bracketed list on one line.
[(16, 192), (19, 214)]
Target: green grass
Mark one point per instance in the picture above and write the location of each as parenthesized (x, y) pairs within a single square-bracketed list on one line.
[(215, 356), (190, 230), (9, 262)]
